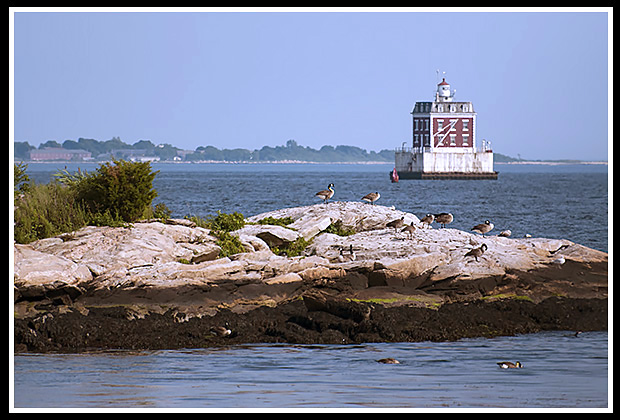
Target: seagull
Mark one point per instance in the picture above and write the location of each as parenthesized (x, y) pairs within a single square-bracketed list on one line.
[(326, 194), (371, 197), (428, 219), (477, 252), (444, 218), (410, 229), (559, 261), (509, 365), (483, 228)]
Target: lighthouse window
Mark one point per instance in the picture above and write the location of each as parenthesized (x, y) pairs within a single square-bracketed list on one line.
[(465, 125), (439, 124), (452, 139), (465, 140)]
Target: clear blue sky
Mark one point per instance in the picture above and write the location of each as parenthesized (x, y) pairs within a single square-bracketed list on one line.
[(538, 80)]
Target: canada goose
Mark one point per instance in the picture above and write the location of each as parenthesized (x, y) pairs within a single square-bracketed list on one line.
[(444, 218), (410, 229), (389, 361), (221, 331), (505, 233), (509, 365), (428, 219), (477, 252), (396, 224), (483, 228), (326, 194), (344, 258), (352, 256), (371, 197)]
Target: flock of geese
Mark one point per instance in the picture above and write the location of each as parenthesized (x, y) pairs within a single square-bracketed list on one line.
[(442, 218)]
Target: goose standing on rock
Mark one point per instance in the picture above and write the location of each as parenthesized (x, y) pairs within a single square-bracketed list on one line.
[(371, 197), (352, 256), (326, 194), (483, 228), (477, 252), (428, 219), (396, 224), (409, 229), (444, 218)]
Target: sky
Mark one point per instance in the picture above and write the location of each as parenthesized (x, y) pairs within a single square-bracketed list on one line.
[(539, 81)]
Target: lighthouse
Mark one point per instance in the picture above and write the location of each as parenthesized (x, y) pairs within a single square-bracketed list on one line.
[(444, 141)]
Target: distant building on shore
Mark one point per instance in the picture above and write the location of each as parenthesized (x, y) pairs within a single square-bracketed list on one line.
[(57, 153), (444, 142)]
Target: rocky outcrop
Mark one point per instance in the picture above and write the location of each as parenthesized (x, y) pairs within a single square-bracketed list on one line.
[(174, 268)]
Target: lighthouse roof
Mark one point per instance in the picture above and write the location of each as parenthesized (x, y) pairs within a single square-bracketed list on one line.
[(443, 82)]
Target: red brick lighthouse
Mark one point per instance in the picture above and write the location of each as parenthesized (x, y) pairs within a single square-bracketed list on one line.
[(444, 141)]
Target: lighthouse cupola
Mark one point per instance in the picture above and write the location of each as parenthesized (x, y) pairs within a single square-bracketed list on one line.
[(443, 92)]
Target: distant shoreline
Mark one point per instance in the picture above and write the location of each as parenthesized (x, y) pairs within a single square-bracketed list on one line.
[(281, 162)]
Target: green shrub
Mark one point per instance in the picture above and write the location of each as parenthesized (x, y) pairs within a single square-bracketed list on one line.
[(229, 244), (293, 249), (47, 210), (118, 187), (221, 222), (338, 229), (117, 193), (283, 221), (221, 225)]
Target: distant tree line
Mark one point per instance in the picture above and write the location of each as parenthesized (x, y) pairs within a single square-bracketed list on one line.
[(291, 151)]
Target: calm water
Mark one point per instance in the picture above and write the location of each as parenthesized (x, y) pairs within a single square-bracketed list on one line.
[(560, 370)]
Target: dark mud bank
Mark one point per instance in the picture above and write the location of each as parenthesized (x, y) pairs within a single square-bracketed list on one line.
[(312, 320)]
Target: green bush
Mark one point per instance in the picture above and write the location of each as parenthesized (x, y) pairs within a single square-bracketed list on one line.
[(338, 228), (46, 210), (117, 193), (282, 221), (118, 187)]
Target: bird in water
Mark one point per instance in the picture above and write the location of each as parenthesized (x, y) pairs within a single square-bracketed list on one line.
[(371, 197), (444, 219), (483, 228), (477, 252), (428, 219), (326, 194), (509, 365), (409, 229), (396, 224), (389, 361)]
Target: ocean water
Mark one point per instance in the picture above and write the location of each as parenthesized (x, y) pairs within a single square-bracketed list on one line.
[(567, 201), (560, 371)]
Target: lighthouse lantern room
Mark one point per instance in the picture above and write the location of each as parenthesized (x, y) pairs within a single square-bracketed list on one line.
[(444, 141)]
